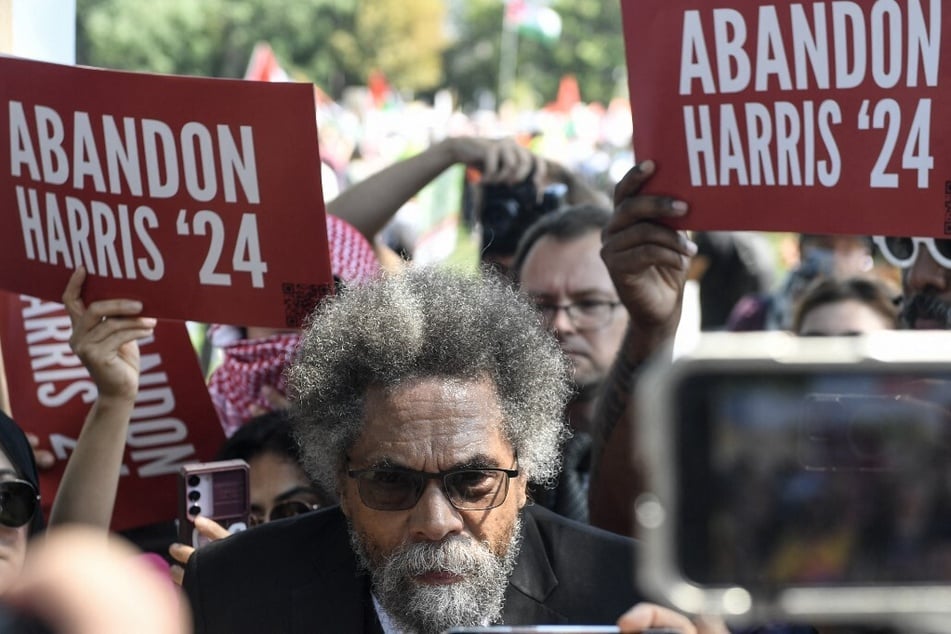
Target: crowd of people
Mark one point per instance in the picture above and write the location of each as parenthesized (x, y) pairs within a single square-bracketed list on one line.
[(439, 448)]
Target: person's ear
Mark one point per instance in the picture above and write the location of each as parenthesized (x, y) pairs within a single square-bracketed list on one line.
[(520, 489)]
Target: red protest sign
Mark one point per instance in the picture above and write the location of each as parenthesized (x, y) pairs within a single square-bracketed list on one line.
[(816, 117), (173, 422), (199, 197)]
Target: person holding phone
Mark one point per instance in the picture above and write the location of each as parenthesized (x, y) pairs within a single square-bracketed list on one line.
[(279, 486), (427, 400)]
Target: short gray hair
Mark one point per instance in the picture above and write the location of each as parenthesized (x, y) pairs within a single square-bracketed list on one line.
[(428, 322)]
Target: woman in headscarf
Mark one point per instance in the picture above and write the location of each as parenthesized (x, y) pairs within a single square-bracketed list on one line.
[(20, 515)]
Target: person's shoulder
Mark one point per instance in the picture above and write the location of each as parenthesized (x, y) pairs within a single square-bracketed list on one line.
[(570, 572), (558, 528), (294, 539), (252, 580)]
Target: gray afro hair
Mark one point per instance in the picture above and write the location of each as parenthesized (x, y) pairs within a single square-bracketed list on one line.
[(427, 322)]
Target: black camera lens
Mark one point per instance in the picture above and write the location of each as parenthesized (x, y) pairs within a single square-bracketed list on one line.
[(194, 495), (194, 510), (193, 480)]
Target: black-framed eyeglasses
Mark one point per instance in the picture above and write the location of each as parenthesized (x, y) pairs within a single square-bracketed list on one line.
[(19, 500), (586, 314), (281, 510), (902, 252), (467, 489)]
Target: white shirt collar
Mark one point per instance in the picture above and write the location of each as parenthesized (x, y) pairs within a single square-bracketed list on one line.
[(387, 623)]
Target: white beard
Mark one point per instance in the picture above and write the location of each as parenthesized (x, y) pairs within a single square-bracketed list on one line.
[(431, 609)]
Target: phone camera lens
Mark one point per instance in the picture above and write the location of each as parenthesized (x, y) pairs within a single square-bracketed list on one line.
[(193, 480), (194, 510), (194, 495)]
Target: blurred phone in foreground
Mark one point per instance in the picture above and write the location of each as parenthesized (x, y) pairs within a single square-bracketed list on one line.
[(800, 479), (535, 629), (552, 629), (216, 490)]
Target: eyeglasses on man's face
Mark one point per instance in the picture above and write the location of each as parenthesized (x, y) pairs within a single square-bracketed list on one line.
[(19, 500), (398, 489), (585, 314), (281, 510), (902, 252)]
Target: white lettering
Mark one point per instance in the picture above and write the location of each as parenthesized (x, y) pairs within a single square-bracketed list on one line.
[(694, 61), (698, 145), (103, 240), (848, 26), (924, 40), (21, 145), (85, 156), (730, 31), (241, 164), (782, 144), (770, 54), (878, 41), (192, 156), (812, 44)]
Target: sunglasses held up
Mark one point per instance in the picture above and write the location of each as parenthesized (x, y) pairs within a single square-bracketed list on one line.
[(902, 252)]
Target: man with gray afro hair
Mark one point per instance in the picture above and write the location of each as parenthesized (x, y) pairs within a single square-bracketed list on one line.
[(428, 400), (425, 322)]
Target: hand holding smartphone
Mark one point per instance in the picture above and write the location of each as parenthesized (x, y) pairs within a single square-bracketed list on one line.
[(217, 490)]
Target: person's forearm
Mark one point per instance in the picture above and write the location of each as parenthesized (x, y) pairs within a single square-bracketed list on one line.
[(87, 491), (579, 191), (616, 472), (369, 204), (616, 391)]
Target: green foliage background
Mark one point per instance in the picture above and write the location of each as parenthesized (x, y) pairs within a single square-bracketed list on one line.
[(591, 48), (420, 45)]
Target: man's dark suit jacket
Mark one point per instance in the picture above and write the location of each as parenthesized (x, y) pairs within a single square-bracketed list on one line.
[(300, 576)]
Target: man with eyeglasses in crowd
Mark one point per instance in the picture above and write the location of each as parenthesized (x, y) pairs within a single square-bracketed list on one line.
[(428, 401), (926, 279), (558, 266)]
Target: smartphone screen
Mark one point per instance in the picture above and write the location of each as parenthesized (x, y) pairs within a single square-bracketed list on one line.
[(813, 477)]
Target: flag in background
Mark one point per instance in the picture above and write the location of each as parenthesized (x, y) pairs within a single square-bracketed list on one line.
[(263, 65), (533, 18)]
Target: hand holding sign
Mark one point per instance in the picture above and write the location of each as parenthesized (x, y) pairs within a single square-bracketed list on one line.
[(647, 260), (105, 339)]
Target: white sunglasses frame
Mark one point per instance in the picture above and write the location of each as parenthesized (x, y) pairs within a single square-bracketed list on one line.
[(882, 244)]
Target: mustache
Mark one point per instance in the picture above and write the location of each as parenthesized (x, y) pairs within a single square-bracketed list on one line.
[(454, 555), (922, 306)]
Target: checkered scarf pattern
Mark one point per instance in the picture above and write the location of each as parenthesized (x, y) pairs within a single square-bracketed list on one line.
[(249, 364)]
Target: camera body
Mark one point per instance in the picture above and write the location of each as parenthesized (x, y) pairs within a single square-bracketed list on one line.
[(508, 210), (799, 479)]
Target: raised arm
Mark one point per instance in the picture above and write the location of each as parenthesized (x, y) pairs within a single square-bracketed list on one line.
[(369, 204), (579, 191), (648, 262), (104, 338)]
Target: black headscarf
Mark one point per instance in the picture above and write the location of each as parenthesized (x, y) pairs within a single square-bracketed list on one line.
[(15, 445)]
